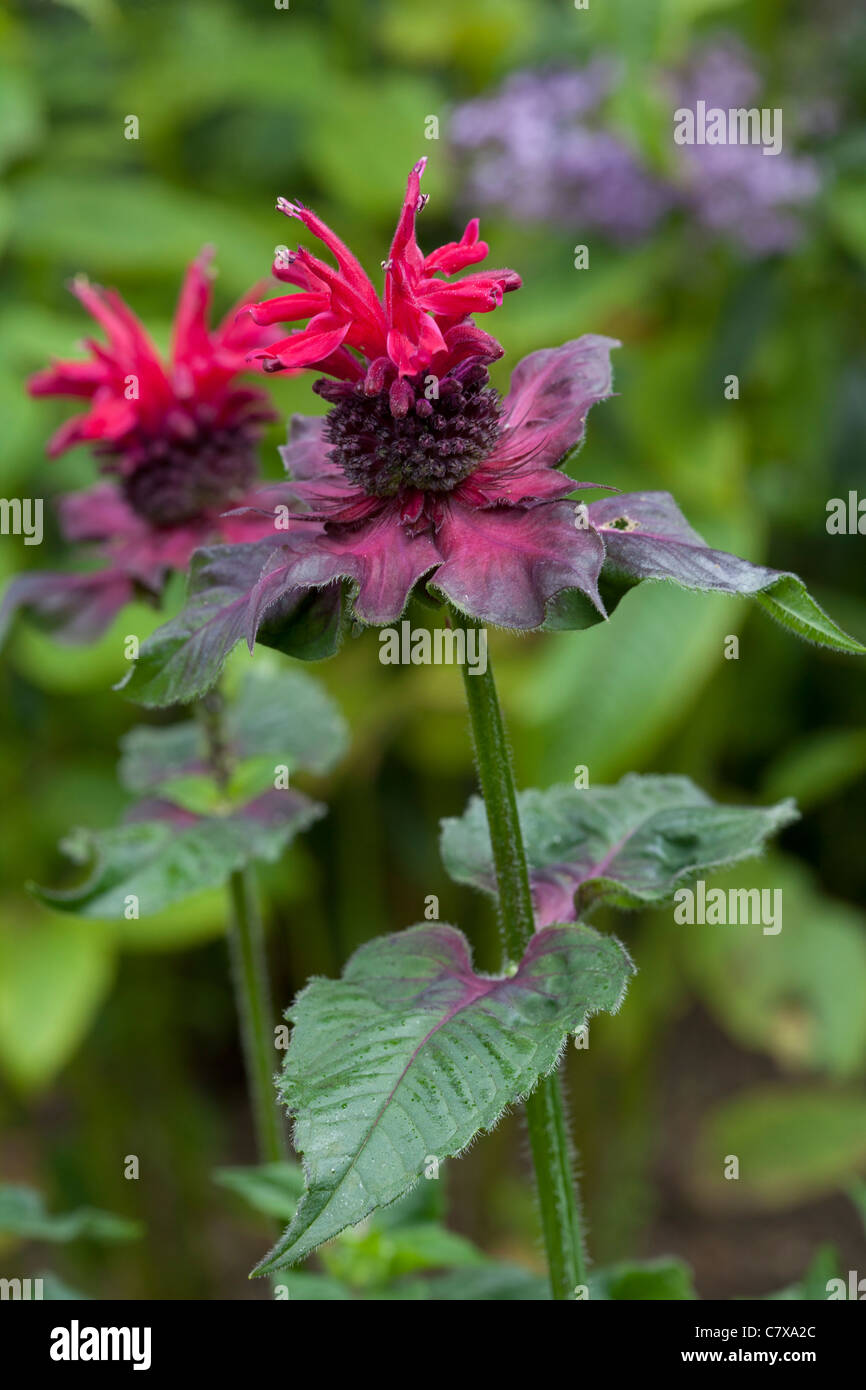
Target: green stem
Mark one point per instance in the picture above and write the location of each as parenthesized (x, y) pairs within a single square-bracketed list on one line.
[(249, 962), (548, 1134), (252, 995)]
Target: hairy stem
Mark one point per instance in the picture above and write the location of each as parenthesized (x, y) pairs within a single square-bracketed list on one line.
[(253, 999), (548, 1134), (249, 962)]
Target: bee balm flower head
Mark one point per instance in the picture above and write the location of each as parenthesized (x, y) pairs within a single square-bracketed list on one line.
[(420, 469), (177, 438)]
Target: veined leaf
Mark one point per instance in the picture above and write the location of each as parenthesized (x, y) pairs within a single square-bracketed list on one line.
[(646, 536), (412, 1053), (628, 845), (173, 853)]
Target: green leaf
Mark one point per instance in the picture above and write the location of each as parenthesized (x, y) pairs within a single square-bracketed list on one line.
[(183, 659), (790, 603), (628, 845), (499, 1283), (664, 1278), (297, 1286), (369, 1256), (792, 1145), (824, 1266), (286, 714), (56, 1290), (857, 1194), (23, 1214), (75, 221), (647, 537), (368, 135), (412, 1053), (280, 717), (20, 116), (618, 690), (274, 1189), (819, 766), (161, 861), (798, 995), (54, 977)]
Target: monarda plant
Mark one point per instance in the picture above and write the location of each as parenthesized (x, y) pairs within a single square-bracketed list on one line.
[(177, 438), (421, 481)]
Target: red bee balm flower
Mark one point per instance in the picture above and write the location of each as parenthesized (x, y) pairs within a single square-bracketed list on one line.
[(179, 438), (420, 476), (420, 469)]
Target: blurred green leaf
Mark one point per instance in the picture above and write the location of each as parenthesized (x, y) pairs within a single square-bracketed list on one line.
[(115, 226), (813, 1285), (846, 209), (53, 978), (280, 717), (793, 1146), (499, 1283), (301, 1287), (274, 1189), (819, 766), (22, 1213), (20, 115), (664, 1278), (153, 863), (613, 692), (797, 995), (369, 1256), (56, 1290), (367, 137)]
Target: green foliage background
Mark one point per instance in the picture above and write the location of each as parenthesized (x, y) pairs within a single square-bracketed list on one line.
[(121, 1039)]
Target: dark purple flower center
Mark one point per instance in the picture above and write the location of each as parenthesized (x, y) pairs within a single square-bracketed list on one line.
[(175, 478), (450, 425)]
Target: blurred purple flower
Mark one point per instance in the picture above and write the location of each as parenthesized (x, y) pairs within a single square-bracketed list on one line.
[(736, 190), (537, 148)]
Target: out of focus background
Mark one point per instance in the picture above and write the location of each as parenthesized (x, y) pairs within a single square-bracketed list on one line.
[(554, 124)]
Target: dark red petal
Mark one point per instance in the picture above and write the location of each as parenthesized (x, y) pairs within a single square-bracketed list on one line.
[(505, 565)]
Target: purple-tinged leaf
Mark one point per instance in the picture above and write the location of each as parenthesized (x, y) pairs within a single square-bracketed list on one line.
[(630, 845), (76, 608), (646, 536), (173, 853), (183, 659), (412, 1053)]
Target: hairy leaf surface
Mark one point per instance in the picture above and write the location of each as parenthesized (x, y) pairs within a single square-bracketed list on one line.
[(411, 1054), (646, 536), (170, 853), (628, 845)]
